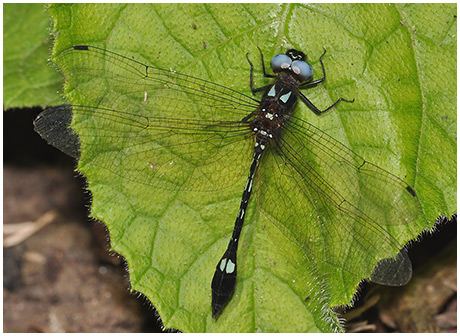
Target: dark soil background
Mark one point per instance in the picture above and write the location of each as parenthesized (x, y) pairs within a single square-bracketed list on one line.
[(63, 279)]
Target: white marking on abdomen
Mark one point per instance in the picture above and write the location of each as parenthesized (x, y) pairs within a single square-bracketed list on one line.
[(230, 267), (250, 186), (222, 264)]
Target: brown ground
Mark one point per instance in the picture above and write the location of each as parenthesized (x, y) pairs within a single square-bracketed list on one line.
[(60, 279)]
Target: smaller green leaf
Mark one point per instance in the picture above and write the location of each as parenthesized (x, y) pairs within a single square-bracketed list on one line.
[(28, 78)]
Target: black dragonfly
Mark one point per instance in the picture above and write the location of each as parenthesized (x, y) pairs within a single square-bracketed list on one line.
[(165, 129)]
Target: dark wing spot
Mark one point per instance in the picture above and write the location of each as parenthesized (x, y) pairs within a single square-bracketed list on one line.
[(411, 191), (80, 47)]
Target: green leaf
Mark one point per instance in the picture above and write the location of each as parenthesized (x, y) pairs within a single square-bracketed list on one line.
[(28, 78), (397, 61)]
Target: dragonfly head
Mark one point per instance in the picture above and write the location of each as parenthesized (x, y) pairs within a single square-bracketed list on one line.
[(293, 61)]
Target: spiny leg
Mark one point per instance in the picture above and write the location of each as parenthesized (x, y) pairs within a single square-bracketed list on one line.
[(251, 81), (263, 66), (318, 81), (316, 110)]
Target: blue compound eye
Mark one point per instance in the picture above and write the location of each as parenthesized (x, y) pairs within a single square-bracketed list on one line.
[(302, 70), (280, 62)]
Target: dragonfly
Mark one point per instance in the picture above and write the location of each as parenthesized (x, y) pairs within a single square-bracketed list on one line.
[(169, 130)]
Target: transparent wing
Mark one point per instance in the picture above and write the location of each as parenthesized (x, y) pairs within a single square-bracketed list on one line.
[(340, 220), (155, 126), (109, 80), (352, 182)]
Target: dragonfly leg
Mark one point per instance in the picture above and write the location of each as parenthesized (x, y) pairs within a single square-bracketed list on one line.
[(316, 110), (251, 81), (318, 81)]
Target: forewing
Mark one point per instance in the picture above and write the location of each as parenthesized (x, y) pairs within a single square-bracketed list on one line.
[(157, 127), (109, 80)]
